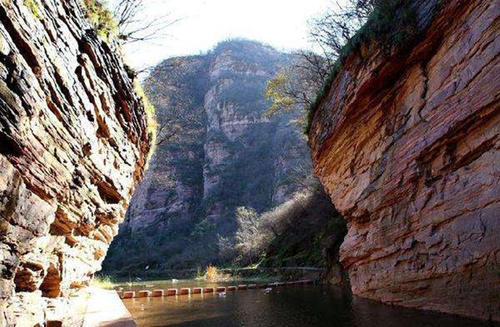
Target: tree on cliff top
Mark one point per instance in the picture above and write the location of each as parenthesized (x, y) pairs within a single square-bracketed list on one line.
[(295, 87), (129, 15), (124, 20)]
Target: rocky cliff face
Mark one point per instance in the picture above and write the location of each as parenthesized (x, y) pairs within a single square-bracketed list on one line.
[(407, 146), (226, 155), (173, 185), (244, 150), (73, 141)]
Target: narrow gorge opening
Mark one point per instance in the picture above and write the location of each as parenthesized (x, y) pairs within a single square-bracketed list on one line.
[(273, 163), (232, 186)]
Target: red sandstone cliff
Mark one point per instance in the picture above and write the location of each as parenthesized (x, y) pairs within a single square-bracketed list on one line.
[(73, 141), (407, 146)]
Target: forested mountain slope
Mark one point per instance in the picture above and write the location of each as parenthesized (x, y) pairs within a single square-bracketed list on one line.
[(227, 154)]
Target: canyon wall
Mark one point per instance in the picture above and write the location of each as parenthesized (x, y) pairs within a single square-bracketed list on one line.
[(73, 145), (227, 154), (406, 144)]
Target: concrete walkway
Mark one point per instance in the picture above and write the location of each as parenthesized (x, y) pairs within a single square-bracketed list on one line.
[(106, 309)]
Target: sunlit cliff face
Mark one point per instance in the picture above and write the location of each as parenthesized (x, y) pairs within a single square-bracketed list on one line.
[(73, 147), (406, 147)]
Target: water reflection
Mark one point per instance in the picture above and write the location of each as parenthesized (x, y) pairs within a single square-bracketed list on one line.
[(285, 307)]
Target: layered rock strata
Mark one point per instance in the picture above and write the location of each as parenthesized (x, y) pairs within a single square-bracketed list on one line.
[(73, 145), (407, 146)]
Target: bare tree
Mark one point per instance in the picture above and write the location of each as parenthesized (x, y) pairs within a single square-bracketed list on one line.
[(179, 96), (337, 26), (250, 238), (132, 24), (256, 232), (173, 124)]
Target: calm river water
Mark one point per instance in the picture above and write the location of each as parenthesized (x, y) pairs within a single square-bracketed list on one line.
[(295, 306)]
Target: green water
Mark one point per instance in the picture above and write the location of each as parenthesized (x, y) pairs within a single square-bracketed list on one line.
[(294, 306)]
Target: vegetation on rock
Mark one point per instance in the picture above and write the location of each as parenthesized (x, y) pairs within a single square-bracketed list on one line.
[(101, 18), (150, 112), (34, 7), (306, 230)]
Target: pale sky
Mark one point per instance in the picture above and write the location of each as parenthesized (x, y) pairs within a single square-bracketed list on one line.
[(280, 23)]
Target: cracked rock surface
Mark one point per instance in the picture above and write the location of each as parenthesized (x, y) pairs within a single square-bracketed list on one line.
[(407, 146), (73, 143)]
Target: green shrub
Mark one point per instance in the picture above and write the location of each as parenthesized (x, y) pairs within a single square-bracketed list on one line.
[(101, 18), (150, 111), (202, 228), (34, 7)]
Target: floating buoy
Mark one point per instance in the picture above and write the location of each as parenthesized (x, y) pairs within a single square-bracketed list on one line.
[(171, 292), (128, 294), (158, 293), (208, 290), (220, 290), (144, 293), (185, 291)]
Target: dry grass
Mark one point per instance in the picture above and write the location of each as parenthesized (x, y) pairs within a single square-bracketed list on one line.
[(212, 274), (104, 282)]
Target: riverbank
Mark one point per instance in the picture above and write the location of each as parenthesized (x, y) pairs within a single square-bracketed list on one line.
[(105, 308), (240, 275)]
